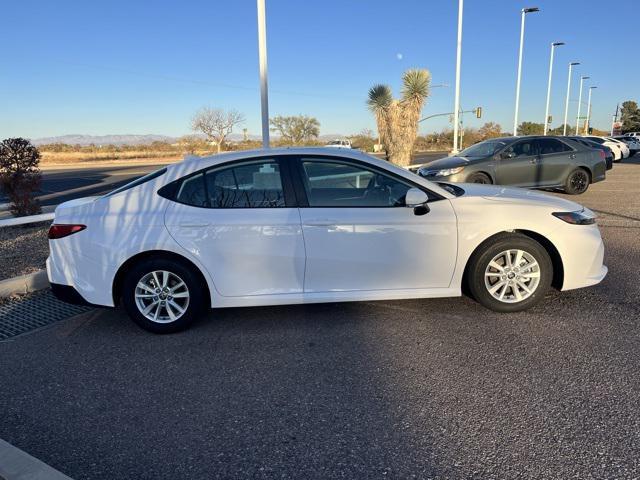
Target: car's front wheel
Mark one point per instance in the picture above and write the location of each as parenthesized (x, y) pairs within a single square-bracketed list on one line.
[(162, 295), (479, 177), (509, 273)]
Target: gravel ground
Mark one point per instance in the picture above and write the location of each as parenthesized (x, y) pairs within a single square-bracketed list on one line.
[(23, 249), (438, 388)]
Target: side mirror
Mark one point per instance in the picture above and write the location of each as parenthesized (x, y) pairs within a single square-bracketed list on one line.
[(506, 155), (417, 199)]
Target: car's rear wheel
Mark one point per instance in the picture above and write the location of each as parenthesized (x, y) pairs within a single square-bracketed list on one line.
[(479, 177), (577, 182), (509, 273), (162, 295)]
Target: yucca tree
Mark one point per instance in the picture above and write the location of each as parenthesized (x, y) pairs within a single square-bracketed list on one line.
[(398, 119)]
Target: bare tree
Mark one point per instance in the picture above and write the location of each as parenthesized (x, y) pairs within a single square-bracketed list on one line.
[(216, 124), (296, 130)]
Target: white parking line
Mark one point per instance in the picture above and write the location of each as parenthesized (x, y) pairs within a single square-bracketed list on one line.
[(18, 465)]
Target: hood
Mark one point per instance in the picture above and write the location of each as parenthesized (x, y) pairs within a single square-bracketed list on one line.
[(501, 193), (450, 162)]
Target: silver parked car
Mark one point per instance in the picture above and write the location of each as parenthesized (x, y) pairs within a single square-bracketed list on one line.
[(535, 161)]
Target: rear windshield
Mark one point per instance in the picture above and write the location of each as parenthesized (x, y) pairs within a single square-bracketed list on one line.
[(139, 181)]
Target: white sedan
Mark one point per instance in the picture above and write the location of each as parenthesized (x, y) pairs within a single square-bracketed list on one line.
[(287, 226)]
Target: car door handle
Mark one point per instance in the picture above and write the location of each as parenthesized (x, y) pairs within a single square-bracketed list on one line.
[(193, 225), (572, 156), (534, 160), (320, 222)]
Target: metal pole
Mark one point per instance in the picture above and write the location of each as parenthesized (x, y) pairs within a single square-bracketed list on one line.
[(515, 118), (546, 112), (264, 86), (566, 103), (582, 79), (588, 122), (456, 106)]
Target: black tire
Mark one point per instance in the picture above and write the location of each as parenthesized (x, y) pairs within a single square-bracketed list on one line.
[(192, 307), (479, 177), (487, 251), (577, 182)]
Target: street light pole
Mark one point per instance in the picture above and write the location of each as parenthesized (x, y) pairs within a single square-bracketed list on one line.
[(566, 103), (264, 86), (582, 79), (588, 122), (456, 106), (515, 117), (546, 113)]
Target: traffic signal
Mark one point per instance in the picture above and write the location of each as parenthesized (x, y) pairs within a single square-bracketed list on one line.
[(479, 112), (590, 130)]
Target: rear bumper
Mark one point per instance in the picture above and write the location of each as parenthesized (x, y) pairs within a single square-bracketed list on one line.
[(68, 294)]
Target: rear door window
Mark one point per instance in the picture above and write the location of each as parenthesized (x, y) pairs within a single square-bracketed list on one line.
[(548, 146), (252, 185)]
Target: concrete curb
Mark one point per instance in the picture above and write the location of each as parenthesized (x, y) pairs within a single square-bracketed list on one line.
[(24, 284), (14, 221), (18, 465)]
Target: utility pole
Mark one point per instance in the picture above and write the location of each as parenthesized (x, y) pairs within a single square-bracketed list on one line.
[(264, 85), (546, 113), (456, 106), (582, 79), (588, 122), (566, 103), (515, 117)]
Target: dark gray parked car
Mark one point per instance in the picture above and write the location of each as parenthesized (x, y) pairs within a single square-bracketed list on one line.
[(543, 162)]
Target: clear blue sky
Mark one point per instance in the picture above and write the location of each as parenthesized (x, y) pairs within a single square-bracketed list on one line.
[(145, 67)]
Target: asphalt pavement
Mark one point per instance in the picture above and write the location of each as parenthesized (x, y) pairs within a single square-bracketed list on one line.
[(438, 388)]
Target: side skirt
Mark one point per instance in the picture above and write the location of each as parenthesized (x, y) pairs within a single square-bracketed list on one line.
[(328, 297)]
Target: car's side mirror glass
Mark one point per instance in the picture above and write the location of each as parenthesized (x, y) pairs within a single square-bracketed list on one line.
[(415, 197)]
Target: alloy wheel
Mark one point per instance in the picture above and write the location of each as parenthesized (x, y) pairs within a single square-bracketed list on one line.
[(512, 276), (579, 181), (162, 296)]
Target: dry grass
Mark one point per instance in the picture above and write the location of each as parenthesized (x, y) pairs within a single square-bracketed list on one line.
[(49, 158)]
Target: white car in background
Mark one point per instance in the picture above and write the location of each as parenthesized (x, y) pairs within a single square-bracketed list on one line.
[(615, 146), (300, 226), (624, 148), (339, 143), (632, 142)]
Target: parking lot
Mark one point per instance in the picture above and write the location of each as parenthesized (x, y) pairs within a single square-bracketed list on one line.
[(407, 389)]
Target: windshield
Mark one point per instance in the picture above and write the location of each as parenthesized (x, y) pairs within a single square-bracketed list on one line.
[(335, 142), (482, 149)]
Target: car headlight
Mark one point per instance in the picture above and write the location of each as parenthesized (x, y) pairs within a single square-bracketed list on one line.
[(444, 173), (582, 217)]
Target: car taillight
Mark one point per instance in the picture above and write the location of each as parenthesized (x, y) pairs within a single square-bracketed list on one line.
[(602, 155), (63, 230)]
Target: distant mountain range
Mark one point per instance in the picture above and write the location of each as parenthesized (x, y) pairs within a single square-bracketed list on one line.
[(128, 139), (104, 139)]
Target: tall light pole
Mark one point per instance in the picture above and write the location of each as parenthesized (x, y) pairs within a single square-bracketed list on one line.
[(264, 86), (456, 107), (566, 103), (515, 117), (582, 79), (588, 122), (546, 112)]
